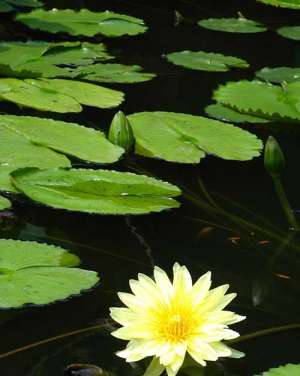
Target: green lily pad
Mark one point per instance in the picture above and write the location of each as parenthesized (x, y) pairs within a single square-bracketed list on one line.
[(259, 98), (205, 61), (84, 22), (68, 138), (10, 5), (17, 151), (57, 95), (279, 75), (113, 73), (292, 4), (287, 370), (96, 191), (33, 273), (290, 32), (232, 25), (184, 138), (4, 203), (220, 112)]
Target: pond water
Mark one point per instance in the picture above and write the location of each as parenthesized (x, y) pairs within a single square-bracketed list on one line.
[(260, 261)]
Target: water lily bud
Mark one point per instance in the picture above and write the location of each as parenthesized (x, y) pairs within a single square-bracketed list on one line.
[(274, 158), (120, 131)]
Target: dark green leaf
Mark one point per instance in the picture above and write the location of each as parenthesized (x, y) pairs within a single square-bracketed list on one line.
[(232, 25), (290, 32), (279, 75)]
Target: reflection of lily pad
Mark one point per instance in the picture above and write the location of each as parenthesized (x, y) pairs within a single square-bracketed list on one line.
[(184, 138), (205, 61), (96, 191), (33, 273), (83, 22), (287, 370), (232, 25)]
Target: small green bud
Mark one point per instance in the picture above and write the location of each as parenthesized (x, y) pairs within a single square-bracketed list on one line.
[(274, 158), (120, 132)]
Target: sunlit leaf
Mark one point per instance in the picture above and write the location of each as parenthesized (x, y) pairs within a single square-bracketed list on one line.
[(292, 4), (83, 22), (33, 273), (278, 75), (220, 112), (96, 191), (184, 138), (290, 32), (287, 370), (255, 97), (232, 25), (206, 61), (4, 203)]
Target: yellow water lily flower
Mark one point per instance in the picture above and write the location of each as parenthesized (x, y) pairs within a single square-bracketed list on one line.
[(168, 320)]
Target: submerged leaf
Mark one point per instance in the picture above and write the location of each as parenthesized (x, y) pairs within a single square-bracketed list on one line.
[(83, 22), (184, 138), (279, 75), (287, 370), (4, 203), (33, 273), (96, 191), (292, 4), (255, 97), (206, 61), (69, 138), (220, 112), (232, 25), (290, 32)]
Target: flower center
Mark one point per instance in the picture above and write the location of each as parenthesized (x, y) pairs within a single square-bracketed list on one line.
[(176, 328)]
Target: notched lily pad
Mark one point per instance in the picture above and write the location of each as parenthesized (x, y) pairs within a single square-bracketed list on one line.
[(184, 138), (287, 370), (205, 61), (290, 32), (292, 4), (220, 112), (232, 25), (33, 273), (96, 191), (83, 22)]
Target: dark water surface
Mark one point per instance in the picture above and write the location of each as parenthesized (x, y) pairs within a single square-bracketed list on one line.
[(263, 268)]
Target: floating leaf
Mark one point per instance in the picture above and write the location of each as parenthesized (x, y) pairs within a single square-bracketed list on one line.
[(292, 4), (279, 75), (287, 370), (69, 138), (17, 151), (186, 138), (113, 73), (96, 191), (255, 97), (220, 112), (10, 5), (83, 22), (57, 95), (232, 25), (290, 32), (33, 273), (4, 203), (206, 61)]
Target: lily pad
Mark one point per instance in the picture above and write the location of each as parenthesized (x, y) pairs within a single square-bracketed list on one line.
[(10, 5), (33, 273), (220, 112), (232, 25), (290, 32), (184, 138), (84, 22), (279, 75), (287, 370), (57, 95), (205, 61), (96, 191), (68, 138), (113, 73), (4, 203), (259, 98), (292, 4)]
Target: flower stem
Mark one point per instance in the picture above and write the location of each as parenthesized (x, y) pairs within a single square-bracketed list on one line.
[(284, 202), (154, 368)]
